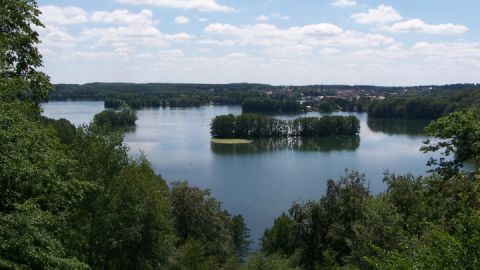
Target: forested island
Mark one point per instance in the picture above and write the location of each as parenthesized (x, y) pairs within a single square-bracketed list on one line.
[(125, 117), (249, 126), (74, 198)]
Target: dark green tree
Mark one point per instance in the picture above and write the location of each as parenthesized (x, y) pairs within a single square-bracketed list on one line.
[(280, 239), (240, 236), (19, 55), (456, 134), (200, 217)]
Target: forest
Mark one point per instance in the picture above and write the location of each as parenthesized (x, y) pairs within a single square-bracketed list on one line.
[(72, 198), (249, 126), (430, 106), (156, 95)]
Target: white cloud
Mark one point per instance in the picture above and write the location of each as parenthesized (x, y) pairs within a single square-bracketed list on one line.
[(136, 33), (129, 52), (280, 16), (178, 37), (123, 17), (351, 39), (93, 55), (381, 15), (120, 36), (344, 3), (262, 18), (182, 20), (56, 37), (133, 37), (322, 34), (203, 19), (329, 51), (237, 55), (270, 35), (318, 29), (294, 41), (220, 43), (63, 15), (459, 51), (376, 55), (202, 5), (291, 50), (417, 25), (172, 54)]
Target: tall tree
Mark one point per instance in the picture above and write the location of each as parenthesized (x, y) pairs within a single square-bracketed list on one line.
[(38, 186), (20, 59)]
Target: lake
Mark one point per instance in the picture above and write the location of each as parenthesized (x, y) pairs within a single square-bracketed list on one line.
[(262, 179)]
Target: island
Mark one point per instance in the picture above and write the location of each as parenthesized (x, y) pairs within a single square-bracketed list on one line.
[(250, 126)]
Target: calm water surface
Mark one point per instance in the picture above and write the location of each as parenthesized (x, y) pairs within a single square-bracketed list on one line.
[(262, 179)]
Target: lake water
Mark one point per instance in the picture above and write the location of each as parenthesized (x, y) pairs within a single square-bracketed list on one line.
[(262, 179)]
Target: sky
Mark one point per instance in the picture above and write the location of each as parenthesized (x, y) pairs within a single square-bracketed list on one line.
[(280, 42)]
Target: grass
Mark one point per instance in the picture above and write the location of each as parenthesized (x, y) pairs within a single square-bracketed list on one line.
[(230, 141)]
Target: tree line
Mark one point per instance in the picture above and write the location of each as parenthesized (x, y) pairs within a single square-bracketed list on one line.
[(139, 96), (412, 108), (260, 126), (270, 105), (420, 102), (431, 105)]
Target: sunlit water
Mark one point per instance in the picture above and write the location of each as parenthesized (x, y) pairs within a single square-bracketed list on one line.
[(262, 179)]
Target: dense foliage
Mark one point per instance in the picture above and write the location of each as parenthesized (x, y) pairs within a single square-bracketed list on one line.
[(412, 108), (261, 126), (19, 56), (270, 105), (426, 106), (123, 118), (65, 130), (418, 223), (200, 220), (456, 134)]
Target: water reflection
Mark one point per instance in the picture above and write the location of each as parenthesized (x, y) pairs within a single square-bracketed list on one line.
[(410, 127), (323, 144)]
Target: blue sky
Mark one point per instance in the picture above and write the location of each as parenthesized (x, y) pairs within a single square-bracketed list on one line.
[(398, 42)]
